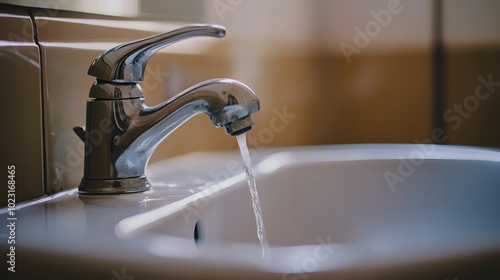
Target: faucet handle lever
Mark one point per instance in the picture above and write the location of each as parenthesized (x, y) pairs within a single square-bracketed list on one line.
[(126, 63)]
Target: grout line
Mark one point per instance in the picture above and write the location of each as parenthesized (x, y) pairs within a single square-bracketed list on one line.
[(42, 91)]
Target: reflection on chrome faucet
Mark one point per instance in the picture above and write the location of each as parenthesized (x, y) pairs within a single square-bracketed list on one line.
[(116, 161)]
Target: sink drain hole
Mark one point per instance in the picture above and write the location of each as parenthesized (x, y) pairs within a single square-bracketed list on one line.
[(197, 234)]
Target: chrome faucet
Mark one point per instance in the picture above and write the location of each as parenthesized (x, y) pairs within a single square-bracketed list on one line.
[(122, 132)]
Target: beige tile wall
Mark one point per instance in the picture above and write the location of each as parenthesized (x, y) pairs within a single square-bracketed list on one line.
[(21, 115), (473, 115)]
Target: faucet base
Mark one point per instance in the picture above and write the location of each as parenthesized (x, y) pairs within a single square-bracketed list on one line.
[(114, 186)]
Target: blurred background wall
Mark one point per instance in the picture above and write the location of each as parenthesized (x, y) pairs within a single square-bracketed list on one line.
[(357, 71)]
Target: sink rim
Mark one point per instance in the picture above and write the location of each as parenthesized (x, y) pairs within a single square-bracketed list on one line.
[(356, 255), (297, 156)]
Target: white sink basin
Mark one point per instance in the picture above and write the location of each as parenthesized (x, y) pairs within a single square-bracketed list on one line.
[(343, 212)]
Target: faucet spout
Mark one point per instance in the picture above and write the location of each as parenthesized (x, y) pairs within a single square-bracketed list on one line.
[(227, 102)]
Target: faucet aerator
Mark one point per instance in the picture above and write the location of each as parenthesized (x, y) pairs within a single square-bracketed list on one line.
[(239, 126)]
